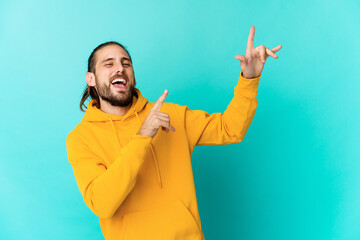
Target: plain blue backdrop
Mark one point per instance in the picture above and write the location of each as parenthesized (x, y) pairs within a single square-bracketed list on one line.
[(296, 174)]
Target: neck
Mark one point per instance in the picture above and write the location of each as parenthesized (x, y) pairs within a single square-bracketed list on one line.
[(117, 110)]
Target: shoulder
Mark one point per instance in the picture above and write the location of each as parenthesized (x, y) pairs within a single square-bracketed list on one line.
[(174, 110), (78, 134)]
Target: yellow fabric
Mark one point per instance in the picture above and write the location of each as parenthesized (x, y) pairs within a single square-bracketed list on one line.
[(142, 187)]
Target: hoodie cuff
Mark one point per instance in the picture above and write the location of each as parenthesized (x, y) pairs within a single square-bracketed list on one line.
[(247, 85), (140, 137)]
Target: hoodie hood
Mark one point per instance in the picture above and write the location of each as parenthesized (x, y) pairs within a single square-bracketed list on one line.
[(94, 114)]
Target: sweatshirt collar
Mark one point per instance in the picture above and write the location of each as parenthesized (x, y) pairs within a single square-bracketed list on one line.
[(94, 114)]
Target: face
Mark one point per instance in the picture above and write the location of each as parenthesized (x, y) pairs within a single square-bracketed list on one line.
[(114, 76)]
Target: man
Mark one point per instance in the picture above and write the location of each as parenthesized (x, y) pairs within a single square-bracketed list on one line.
[(136, 179)]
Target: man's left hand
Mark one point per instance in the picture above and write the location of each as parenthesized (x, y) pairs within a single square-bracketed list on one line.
[(253, 62)]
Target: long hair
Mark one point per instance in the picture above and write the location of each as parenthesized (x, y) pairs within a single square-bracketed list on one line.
[(91, 91)]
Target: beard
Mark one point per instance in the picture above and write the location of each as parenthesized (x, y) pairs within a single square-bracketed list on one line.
[(120, 99)]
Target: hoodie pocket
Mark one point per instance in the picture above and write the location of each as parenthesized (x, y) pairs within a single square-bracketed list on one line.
[(170, 221)]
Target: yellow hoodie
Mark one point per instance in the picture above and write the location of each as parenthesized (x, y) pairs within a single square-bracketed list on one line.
[(142, 187)]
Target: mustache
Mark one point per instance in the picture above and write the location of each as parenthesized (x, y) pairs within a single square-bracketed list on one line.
[(118, 76)]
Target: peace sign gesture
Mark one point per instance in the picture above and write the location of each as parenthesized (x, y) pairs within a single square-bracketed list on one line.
[(253, 62), (156, 119)]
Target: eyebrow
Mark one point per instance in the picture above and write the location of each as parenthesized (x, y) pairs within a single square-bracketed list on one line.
[(123, 58)]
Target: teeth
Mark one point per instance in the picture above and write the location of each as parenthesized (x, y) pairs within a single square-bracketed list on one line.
[(120, 80)]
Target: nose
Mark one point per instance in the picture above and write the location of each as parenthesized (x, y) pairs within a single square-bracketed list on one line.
[(119, 68)]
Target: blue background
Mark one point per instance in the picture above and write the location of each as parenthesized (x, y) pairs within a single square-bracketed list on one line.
[(296, 174)]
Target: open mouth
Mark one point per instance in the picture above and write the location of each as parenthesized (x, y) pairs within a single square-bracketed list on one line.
[(119, 83)]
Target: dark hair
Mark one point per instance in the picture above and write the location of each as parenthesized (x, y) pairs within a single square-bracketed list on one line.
[(91, 91)]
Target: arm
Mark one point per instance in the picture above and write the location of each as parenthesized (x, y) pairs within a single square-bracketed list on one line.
[(231, 126), (228, 127), (96, 182)]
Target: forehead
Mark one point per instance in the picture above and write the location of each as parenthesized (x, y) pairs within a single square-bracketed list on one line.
[(111, 51)]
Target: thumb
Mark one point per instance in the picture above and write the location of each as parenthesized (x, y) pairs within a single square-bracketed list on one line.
[(240, 57)]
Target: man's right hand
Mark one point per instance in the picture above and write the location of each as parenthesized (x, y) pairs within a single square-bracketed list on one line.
[(156, 119)]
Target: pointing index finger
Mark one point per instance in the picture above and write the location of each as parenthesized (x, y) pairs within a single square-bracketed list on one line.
[(160, 101), (250, 42)]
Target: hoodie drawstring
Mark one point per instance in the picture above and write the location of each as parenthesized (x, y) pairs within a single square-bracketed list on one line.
[(113, 127), (151, 146)]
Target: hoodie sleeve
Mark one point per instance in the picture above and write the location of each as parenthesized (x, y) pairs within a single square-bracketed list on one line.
[(231, 126), (96, 182)]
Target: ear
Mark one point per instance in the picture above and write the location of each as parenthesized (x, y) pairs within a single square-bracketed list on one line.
[(90, 79)]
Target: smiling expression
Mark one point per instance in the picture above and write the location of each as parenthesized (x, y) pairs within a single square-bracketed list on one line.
[(114, 77)]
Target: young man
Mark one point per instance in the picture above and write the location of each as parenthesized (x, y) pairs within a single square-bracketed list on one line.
[(136, 179)]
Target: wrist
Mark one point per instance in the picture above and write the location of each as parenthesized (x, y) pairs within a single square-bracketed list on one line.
[(143, 133), (242, 74)]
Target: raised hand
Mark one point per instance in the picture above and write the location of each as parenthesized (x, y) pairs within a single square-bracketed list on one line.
[(253, 62), (156, 119)]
